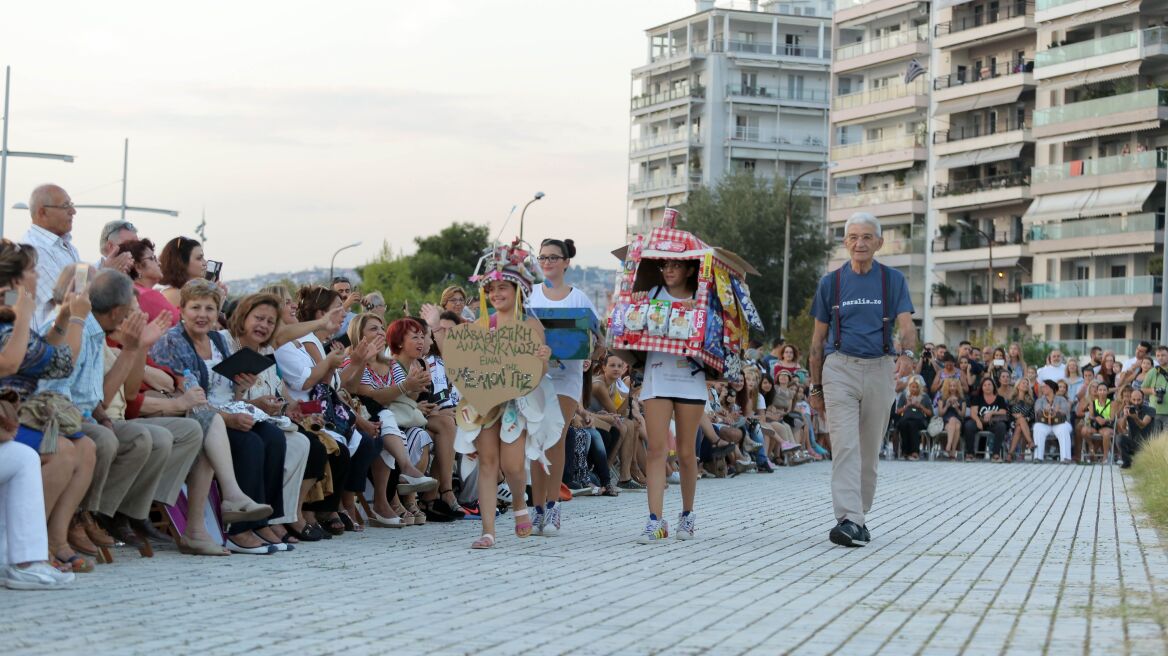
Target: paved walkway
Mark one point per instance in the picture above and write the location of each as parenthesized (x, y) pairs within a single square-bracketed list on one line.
[(974, 558)]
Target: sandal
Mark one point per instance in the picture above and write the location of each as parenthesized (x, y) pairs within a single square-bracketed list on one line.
[(333, 526), (485, 541), (76, 563), (418, 515), (522, 529), (350, 525), (310, 533), (455, 509), (197, 547)]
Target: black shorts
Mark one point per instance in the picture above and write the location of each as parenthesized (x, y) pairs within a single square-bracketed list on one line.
[(679, 400)]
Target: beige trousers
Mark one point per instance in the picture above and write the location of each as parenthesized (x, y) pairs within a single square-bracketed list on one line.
[(187, 437), (124, 456), (857, 394)]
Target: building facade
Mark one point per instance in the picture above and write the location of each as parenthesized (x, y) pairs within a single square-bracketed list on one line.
[(740, 87)]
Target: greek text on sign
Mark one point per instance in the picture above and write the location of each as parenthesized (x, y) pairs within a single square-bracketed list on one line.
[(492, 367)]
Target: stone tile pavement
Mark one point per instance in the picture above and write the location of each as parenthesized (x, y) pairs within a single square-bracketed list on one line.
[(966, 558)]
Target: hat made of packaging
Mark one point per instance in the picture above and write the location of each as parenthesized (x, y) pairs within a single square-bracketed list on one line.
[(511, 262)]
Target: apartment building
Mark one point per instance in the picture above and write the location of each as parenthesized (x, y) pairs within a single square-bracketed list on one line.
[(741, 86), (880, 142)]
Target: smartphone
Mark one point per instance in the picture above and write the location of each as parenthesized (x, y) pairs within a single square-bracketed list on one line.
[(311, 407), (10, 297), (214, 267), (999, 362), (80, 278)]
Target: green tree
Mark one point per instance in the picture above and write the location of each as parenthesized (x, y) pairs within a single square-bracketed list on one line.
[(747, 215), (392, 275), (448, 257)]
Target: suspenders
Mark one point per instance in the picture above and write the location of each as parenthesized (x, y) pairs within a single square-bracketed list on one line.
[(885, 325)]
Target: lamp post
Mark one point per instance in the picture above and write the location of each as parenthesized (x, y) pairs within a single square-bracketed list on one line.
[(5, 153), (334, 260), (538, 195), (787, 240), (989, 271)]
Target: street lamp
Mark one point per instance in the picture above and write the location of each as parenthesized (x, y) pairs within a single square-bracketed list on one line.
[(5, 153), (538, 195), (334, 260), (787, 239), (989, 271)]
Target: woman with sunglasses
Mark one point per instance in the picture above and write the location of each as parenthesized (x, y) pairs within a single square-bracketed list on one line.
[(673, 390), (555, 255)]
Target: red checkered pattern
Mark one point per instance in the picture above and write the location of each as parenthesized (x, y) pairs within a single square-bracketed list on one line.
[(686, 239), (666, 345)]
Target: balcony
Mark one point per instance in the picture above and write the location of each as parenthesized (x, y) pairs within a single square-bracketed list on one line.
[(667, 141), (854, 11), (973, 305), (889, 154), (890, 47), (985, 26), (810, 96), (894, 247), (895, 201), (871, 104), (1092, 288), (1002, 69), (756, 136), (1051, 10), (908, 141), (985, 192), (648, 100), (658, 185), (1121, 232), (1115, 49), (1149, 161), (770, 49), (667, 57), (1132, 112), (980, 88)]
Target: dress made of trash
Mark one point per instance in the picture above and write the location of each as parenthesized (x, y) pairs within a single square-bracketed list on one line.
[(537, 414)]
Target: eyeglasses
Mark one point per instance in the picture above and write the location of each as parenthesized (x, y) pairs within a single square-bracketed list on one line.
[(549, 258), (458, 299), (866, 238), (66, 206)]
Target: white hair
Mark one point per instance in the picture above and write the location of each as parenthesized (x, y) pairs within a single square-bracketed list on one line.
[(864, 218)]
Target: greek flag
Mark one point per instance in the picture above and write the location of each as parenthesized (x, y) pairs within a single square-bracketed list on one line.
[(914, 71)]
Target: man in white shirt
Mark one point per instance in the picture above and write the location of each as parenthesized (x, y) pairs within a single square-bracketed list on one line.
[(50, 233), (1055, 369), (1142, 351), (113, 234)]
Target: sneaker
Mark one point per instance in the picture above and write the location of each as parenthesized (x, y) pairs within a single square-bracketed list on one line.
[(656, 530), (675, 478), (551, 521), (848, 534), (37, 576), (538, 521), (503, 494), (631, 485), (867, 535), (685, 526)]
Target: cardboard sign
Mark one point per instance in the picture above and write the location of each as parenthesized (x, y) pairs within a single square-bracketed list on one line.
[(492, 367)]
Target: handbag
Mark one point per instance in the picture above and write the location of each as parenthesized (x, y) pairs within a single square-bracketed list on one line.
[(338, 417), (52, 414), (407, 412), (936, 426)]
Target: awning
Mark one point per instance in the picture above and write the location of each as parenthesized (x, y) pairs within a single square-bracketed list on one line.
[(881, 168), (1092, 16), (1115, 200), (1108, 251), (976, 265), (942, 4), (1090, 76), (975, 157), (979, 101), (1059, 206), (1109, 315), (1090, 202), (1101, 132)]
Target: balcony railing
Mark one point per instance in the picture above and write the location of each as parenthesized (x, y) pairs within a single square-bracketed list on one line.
[(666, 182), (876, 197), (974, 185), (962, 299), (644, 100), (1002, 69), (970, 20), (886, 42), (806, 95), (867, 97), (1152, 159), (678, 50), (1042, 291), (758, 48), (1098, 227), (1102, 46), (744, 133), (962, 132), (1102, 107), (877, 146), (965, 240), (678, 137)]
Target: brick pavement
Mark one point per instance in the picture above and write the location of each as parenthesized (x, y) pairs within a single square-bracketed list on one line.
[(974, 558)]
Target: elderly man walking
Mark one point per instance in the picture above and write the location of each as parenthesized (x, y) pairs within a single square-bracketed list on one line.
[(853, 367)]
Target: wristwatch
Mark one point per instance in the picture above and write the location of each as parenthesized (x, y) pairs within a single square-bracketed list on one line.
[(910, 354)]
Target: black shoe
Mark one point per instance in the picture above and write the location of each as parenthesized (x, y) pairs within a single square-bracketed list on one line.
[(848, 534), (867, 535)]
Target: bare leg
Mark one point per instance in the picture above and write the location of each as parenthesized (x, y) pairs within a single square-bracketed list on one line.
[(381, 473), (442, 428), (687, 418), (487, 445), (217, 452), (511, 459), (545, 488), (82, 454), (397, 448), (198, 489), (658, 412)]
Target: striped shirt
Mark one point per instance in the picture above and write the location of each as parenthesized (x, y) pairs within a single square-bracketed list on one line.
[(53, 255)]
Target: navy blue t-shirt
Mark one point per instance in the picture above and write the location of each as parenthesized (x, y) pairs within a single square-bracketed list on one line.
[(861, 313)]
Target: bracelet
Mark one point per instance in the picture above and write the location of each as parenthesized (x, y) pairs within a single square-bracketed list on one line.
[(59, 330), (816, 391), (77, 320)]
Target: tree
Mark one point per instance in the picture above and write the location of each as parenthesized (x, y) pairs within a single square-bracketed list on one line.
[(392, 275), (449, 257), (747, 215)]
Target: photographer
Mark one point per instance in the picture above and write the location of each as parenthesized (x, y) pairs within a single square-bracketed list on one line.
[(1136, 422), (926, 367), (1154, 385)]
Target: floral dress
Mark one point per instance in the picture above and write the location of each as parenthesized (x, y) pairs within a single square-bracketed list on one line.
[(42, 360)]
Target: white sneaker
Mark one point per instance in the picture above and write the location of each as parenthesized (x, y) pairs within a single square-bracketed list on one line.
[(503, 494), (37, 576), (675, 478)]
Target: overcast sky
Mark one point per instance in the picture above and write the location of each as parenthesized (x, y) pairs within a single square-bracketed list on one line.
[(304, 126)]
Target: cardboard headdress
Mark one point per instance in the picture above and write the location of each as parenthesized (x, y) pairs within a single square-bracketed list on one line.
[(511, 262)]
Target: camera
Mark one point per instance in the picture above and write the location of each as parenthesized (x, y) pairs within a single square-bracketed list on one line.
[(926, 354), (1159, 391)]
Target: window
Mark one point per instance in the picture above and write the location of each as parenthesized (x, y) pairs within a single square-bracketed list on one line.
[(795, 87), (1119, 271), (748, 165), (875, 134)]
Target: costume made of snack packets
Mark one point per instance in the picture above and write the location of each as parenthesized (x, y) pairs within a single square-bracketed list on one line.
[(712, 334), (537, 413)]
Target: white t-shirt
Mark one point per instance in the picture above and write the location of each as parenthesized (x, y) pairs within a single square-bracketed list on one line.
[(567, 375), (671, 376), (1055, 372), (296, 365)]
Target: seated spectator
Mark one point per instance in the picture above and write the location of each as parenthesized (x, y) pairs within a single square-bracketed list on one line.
[(948, 371), (1135, 423), (195, 347), (609, 400), (1099, 420), (146, 273), (24, 541), (442, 428), (1022, 413), (950, 404), (788, 361), (374, 303), (1052, 414), (772, 418), (181, 260), (913, 410), (454, 299), (988, 411), (1074, 380)]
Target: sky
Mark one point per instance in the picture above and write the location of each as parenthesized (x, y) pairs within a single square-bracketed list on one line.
[(301, 127)]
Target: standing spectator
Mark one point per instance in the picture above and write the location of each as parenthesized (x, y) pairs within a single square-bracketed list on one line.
[(1074, 380), (988, 411), (1154, 386), (928, 367), (852, 367), (113, 235), (914, 410), (1143, 349), (1096, 359), (1136, 423), (146, 272), (344, 289), (1022, 412), (181, 260), (51, 234), (1015, 362), (1055, 369), (1052, 414)]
